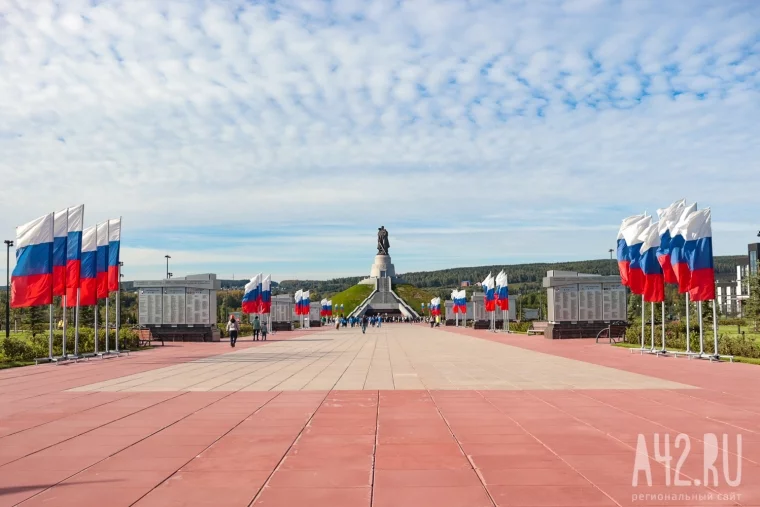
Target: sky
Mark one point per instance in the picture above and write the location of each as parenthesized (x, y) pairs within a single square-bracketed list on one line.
[(277, 136)]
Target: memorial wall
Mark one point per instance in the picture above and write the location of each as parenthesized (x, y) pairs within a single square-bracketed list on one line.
[(576, 297), (188, 301)]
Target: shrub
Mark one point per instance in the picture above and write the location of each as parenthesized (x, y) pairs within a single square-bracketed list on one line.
[(18, 349), (519, 327), (675, 338), (26, 347)]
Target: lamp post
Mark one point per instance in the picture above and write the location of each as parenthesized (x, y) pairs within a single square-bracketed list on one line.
[(167, 264), (8, 245), (612, 251)]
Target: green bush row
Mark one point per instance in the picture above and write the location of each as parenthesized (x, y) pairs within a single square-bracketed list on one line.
[(675, 338), (25, 347), (245, 330)]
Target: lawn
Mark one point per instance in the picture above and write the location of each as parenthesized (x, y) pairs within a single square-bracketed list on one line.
[(414, 296), (350, 298), (708, 348), (733, 331)]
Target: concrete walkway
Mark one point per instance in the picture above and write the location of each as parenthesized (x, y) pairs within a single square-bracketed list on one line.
[(391, 357), (402, 416)]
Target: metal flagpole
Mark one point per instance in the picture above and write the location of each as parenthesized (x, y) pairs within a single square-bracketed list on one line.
[(108, 349), (643, 320), (50, 338), (96, 327), (64, 327), (688, 331), (118, 293), (715, 328), (118, 299), (701, 333), (652, 312), (663, 326), (76, 327)]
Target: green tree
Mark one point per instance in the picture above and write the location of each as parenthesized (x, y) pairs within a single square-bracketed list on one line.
[(36, 319), (752, 305)]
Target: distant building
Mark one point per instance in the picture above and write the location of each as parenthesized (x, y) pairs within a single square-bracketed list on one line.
[(465, 284), (753, 249), (732, 294)]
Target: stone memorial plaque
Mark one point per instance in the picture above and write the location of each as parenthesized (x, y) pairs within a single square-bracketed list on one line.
[(150, 307), (174, 305), (615, 302), (566, 303), (590, 302), (197, 306)]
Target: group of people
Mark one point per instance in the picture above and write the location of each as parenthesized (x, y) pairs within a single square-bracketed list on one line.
[(260, 332), (364, 321), (233, 329)]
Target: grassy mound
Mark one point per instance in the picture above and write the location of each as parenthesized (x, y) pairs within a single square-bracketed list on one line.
[(414, 296), (350, 298)]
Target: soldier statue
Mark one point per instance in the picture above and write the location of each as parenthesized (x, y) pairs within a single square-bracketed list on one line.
[(382, 241)]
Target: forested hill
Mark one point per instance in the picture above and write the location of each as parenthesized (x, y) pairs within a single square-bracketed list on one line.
[(526, 277), (529, 276)]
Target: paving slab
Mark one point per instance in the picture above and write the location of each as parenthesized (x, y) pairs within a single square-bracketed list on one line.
[(404, 415), (393, 357)]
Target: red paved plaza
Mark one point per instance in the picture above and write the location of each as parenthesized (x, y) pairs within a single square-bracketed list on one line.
[(438, 418)]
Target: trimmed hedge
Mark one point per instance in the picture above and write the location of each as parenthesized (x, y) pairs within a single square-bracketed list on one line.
[(675, 338), (25, 347)]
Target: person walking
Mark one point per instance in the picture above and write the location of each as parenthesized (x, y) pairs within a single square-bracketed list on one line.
[(232, 328), (256, 328), (364, 324), (264, 333)]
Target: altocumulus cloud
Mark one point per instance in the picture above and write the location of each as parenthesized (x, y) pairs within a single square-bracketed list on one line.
[(252, 135)]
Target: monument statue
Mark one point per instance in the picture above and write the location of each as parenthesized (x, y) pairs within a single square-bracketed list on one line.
[(382, 241)]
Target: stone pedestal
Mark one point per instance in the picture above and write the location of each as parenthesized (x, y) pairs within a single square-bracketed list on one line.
[(383, 267)]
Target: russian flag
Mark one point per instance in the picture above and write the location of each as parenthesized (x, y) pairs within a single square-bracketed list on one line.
[(678, 258), (74, 253), (632, 236), (668, 218), (329, 308), (699, 255), (623, 260), (435, 306), (251, 296), (88, 272), (60, 235), (462, 301), (102, 260), (502, 296), (654, 280), (323, 312), (32, 278), (299, 302), (489, 293), (114, 242), (455, 299), (266, 294), (305, 303), (260, 279)]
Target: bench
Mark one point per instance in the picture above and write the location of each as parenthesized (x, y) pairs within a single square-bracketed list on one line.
[(146, 342), (538, 328), (615, 333)]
